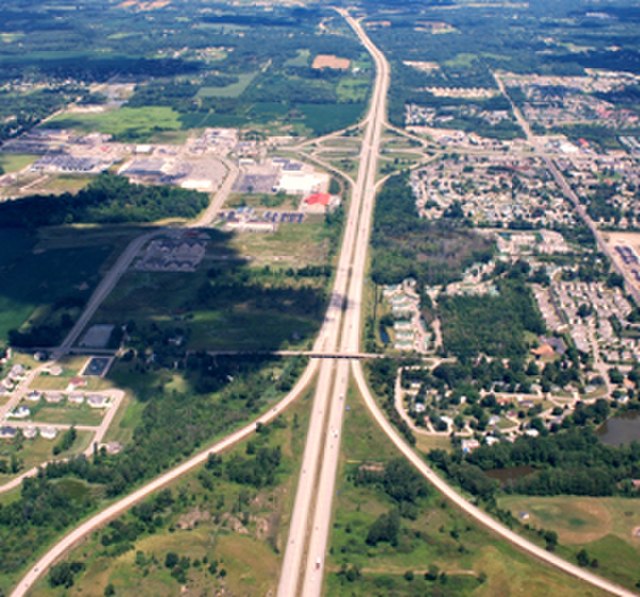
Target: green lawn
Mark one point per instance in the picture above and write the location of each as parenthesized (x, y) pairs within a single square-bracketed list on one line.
[(66, 413), (233, 90), (603, 526), (127, 124), (13, 162), (34, 452)]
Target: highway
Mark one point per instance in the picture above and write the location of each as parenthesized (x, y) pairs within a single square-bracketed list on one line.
[(323, 490), (306, 546), (304, 559)]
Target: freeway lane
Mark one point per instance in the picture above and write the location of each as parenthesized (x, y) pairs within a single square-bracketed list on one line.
[(312, 584), (365, 192), (326, 391)]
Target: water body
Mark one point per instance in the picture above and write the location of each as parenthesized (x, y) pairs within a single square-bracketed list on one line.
[(384, 336), (620, 430)]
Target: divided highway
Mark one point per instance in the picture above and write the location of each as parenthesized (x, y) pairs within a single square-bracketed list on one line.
[(304, 559), (321, 493)]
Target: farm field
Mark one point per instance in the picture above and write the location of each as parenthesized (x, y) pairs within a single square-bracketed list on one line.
[(233, 90)]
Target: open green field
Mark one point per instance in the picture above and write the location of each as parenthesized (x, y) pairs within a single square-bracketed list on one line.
[(301, 59), (233, 90), (66, 413), (57, 279), (253, 311), (127, 124), (242, 528), (263, 201), (13, 162), (605, 527), (291, 244), (34, 452), (474, 562)]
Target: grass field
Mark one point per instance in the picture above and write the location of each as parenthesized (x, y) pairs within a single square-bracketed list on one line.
[(292, 244), (475, 562), (264, 201), (36, 451), (129, 124), (301, 59), (79, 414), (241, 528), (233, 90), (55, 276), (12, 162), (603, 526)]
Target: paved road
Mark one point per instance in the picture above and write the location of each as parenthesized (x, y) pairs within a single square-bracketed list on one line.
[(320, 526), (365, 192), (479, 515), (104, 288), (322, 447), (537, 143), (108, 283), (208, 216)]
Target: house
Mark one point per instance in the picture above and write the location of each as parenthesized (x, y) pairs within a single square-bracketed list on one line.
[(30, 432), (76, 398), (17, 372), (98, 401), (54, 397), (48, 432), (33, 396), (469, 445), (7, 432), (77, 382), (22, 412), (54, 370)]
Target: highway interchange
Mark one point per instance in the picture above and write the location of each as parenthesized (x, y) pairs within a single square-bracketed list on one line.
[(304, 560)]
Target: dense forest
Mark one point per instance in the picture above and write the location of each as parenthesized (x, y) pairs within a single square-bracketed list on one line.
[(490, 325), (573, 462), (405, 245), (108, 199)]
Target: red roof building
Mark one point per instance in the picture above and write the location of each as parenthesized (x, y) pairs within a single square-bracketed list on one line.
[(323, 199)]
